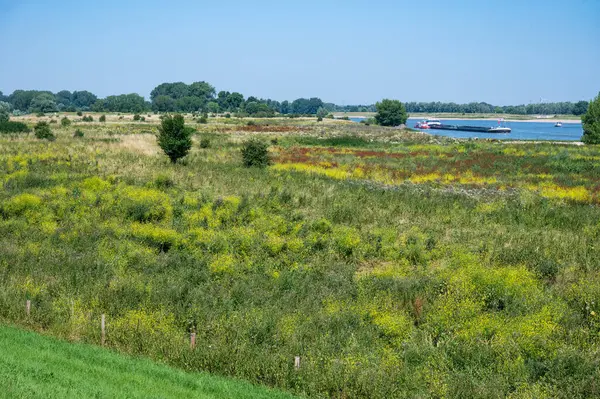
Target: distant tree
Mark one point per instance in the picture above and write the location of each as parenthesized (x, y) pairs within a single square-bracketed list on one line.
[(322, 113), (390, 113), (4, 111), (213, 107), (63, 99), (43, 103), (234, 101), (163, 103), (591, 122), (83, 99), (580, 108), (174, 139), (21, 99), (102, 118)]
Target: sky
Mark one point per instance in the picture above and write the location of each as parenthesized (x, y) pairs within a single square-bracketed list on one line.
[(347, 52)]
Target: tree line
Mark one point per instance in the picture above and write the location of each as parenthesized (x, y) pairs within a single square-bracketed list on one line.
[(202, 97)]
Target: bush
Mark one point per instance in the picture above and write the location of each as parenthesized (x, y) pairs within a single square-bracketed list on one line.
[(591, 123), (40, 114), (173, 137), (203, 119), (390, 113), (137, 117), (228, 115), (319, 119), (102, 118), (255, 152), (87, 118), (13, 127), (78, 133), (204, 142), (65, 122), (43, 131), (143, 119), (79, 113)]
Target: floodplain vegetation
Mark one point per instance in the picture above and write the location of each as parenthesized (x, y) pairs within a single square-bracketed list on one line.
[(393, 263)]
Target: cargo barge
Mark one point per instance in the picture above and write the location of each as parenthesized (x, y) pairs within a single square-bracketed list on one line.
[(482, 129)]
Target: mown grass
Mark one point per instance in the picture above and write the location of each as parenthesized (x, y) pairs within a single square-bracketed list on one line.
[(386, 276), (35, 366)]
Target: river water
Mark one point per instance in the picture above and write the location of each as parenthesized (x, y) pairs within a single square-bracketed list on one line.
[(520, 130)]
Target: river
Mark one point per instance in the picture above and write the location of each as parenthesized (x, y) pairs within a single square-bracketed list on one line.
[(520, 130)]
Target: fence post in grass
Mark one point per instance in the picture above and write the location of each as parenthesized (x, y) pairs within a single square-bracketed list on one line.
[(297, 362), (192, 341), (28, 307), (103, 328)]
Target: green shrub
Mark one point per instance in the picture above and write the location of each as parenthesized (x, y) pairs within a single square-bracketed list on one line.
[(203, 119), (40, 114), (102, 118), (87, 118), (137, 117), (173, 137), (65, 122), (79, 113), (255, 152), (146, 205), (163, 181), (14, 127), (319, 119), (43, 131), (78, 133), (228, 115)]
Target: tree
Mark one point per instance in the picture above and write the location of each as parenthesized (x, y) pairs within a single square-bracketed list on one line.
[(580, 108), (163, 103), (174, 139), (390, 113), (44, 103), (4, 111), (63, 99), (213, 107), (83, 99), (322, 113), (591, 122)]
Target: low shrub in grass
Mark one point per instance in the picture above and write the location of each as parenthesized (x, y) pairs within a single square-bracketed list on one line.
[(43, 131), (65, 122), (14, 127), (137, 117), (202, 120), (79, 113), (255, 152), (87, 118), (102, 118), (78, 133), (204, 142)]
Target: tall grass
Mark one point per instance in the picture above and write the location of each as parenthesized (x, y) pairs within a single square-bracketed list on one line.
[(384, 286)]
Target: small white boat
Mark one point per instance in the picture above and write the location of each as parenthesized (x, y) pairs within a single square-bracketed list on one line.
[(558, 124), (433, 122)]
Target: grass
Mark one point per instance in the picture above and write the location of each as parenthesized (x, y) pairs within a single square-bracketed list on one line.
[(396, 264), (35, 366)]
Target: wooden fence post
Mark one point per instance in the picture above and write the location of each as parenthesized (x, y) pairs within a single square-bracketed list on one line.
[(103, 328), (192, 340), (28, 307), (297, 362)]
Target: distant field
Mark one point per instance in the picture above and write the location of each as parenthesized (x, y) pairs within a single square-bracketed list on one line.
[(35, 366)]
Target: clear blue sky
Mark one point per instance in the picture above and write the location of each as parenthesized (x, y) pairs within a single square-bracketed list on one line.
[(347, 52)]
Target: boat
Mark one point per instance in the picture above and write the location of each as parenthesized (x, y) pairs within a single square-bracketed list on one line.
[(558, 124), (422, 125), (433, 122), (466, 128)]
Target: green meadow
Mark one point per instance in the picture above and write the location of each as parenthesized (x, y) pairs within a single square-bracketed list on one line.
[(393, 263)]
